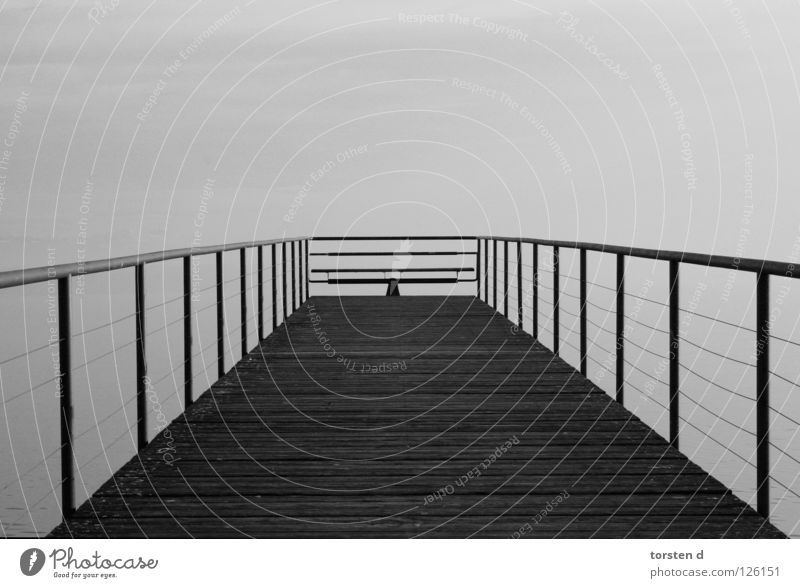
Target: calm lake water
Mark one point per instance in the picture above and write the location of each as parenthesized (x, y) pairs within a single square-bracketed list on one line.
[(718, 421)]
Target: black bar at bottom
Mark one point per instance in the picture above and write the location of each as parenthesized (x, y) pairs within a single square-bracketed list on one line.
[(386, 281), (486, 269), (620, 312), (65, 398), (535, 295), (283, 274), (300, 272), (274, 287), (674, 353), (142, 380), (220, 319), (305, 276), (582, 294), (243, 297), (494, 271), (293, 247), (762, 395), (519, 285), (260, 292), (478, 268), (505, 278), (556, 297), (187, 331)]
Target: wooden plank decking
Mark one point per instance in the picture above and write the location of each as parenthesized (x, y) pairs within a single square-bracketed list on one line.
[(303, 439)]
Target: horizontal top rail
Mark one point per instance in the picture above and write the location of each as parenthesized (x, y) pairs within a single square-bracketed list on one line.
[(398, 274), (402, 280), (394, 238), (390, 253), (42, 274), (784, 268), (356, 270)]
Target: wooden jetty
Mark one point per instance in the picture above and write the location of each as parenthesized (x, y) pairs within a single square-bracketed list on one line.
[(409, 416)]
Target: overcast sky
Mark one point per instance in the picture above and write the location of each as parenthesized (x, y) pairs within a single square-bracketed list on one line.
[(637, 122)]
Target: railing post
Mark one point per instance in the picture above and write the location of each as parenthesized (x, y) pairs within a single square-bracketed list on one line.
[(260, 291), (486, 269), (274, 287), (220, 319), (505, 278), (283, 273), (243, 296), (674, 353), (519, 284), (762, 394), (494, 271), (305, 276), (294, 275), (478, 267), (141, 360), (582, 294), (556, 295), (300, 271), (535, 283), (65, 398), (187, 331), (620, 310)]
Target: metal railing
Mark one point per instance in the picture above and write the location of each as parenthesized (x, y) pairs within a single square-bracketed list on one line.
[(65, 272), (433, 275), (298, 278), (761, 268)]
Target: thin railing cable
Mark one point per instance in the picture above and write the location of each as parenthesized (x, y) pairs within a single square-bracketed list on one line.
[(645, 349), (649, 397), (715, 415), (705, 435), (780, 377), (588, 320), (717, 320), (786, 416), (795, 343), (641, 371), (564, 341), (634, 366), (689, 341), (645, 299), (103, 326), (785, 453), (148, 308), (30, 352), (720, 386), (103, 355), (716, 353), (651, 327), (30, 390), (160, 304), (784, 486)]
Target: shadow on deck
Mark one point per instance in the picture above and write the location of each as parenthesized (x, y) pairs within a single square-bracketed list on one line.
[(409, 417)]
